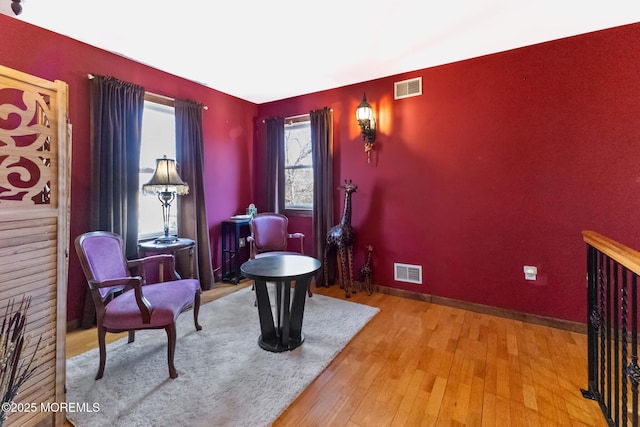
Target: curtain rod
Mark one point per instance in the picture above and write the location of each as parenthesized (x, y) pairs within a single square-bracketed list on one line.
[(298, 118), (166, 98)]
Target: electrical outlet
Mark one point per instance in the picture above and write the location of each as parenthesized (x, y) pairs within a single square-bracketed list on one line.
[(242, 242), (530, 272)]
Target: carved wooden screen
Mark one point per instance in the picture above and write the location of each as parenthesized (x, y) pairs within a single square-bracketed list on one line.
[(35, 148)]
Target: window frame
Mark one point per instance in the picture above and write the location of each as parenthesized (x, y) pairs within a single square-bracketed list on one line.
[(299, 210), (167, 102)]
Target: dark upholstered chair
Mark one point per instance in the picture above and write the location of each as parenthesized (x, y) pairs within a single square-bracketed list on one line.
[(124, 302), (269, 236)]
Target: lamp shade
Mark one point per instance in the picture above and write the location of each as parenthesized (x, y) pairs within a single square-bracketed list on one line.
[(166, 179)]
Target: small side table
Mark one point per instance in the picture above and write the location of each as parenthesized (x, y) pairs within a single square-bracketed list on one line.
[(286, 333), (233, 255), (151, 247)]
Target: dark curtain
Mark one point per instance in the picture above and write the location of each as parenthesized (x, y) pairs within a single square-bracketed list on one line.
[(116, 127), (275, 165), (322, 155), (193, 222), (116, 109)]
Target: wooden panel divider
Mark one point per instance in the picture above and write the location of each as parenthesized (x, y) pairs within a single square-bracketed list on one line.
[(34, 229)]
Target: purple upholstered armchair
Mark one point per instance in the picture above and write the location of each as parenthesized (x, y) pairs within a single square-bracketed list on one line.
[(124, 302), (269, 236)]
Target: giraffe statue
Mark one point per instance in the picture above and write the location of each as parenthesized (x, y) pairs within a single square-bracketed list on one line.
[(340, 237), (366, 272)]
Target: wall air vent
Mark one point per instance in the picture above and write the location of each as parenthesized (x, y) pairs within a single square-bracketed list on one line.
[(407, 88), (407, 273)]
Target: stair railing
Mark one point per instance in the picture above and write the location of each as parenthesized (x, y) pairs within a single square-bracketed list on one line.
[(612, 328)]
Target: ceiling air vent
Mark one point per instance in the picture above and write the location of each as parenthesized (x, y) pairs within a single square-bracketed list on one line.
[(407, 88), (407, 273)]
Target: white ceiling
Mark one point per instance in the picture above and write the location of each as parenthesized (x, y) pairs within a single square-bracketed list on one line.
[(262, 51)]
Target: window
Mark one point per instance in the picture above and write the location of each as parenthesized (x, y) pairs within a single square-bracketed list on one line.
[(158, 139), (298, 167)]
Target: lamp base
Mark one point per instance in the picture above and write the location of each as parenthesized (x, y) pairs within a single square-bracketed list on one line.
[(166, 239)]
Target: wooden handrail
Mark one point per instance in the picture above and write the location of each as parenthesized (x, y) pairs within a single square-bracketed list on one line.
[(614, 250)]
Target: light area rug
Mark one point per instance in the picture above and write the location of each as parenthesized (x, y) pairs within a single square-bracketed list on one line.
[(224, 377)]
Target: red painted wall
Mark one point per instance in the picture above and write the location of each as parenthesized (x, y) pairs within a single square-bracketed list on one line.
[(227, 126), (501, 163)]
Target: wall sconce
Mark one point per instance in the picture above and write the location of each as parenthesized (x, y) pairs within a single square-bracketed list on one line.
[(364, 115), (166, 183)]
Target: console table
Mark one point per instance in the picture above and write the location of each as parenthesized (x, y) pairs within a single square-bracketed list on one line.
[(286, 333), (233, 254)]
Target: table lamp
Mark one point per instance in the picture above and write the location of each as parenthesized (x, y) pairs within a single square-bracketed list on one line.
[(166, 183)]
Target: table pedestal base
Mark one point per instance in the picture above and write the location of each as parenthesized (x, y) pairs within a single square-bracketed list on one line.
[(277, 347), (286, 332)]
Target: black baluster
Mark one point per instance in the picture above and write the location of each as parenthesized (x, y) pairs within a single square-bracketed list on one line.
[(623, 304), (592, 325), (601, 329), (615, 373), (634, 349), (607, 285)]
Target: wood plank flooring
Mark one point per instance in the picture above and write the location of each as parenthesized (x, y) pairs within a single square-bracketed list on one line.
[(418, 363)]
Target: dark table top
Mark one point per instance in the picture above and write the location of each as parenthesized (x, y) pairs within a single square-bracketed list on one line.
[(278, 267)]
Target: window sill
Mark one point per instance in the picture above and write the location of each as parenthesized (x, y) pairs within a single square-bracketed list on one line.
[(299, 212)]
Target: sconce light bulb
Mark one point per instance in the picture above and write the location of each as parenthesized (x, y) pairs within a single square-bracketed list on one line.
[(366, 121)]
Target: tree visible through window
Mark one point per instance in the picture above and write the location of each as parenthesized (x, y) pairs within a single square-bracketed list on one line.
[(298, 165)]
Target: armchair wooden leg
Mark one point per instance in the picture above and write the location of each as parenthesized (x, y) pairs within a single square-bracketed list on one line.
[(196, 310), (312, 281), (132, 336), (103, 351), (171, 349)]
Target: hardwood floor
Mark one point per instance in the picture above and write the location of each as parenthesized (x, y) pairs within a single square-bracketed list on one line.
[(418, 363)]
